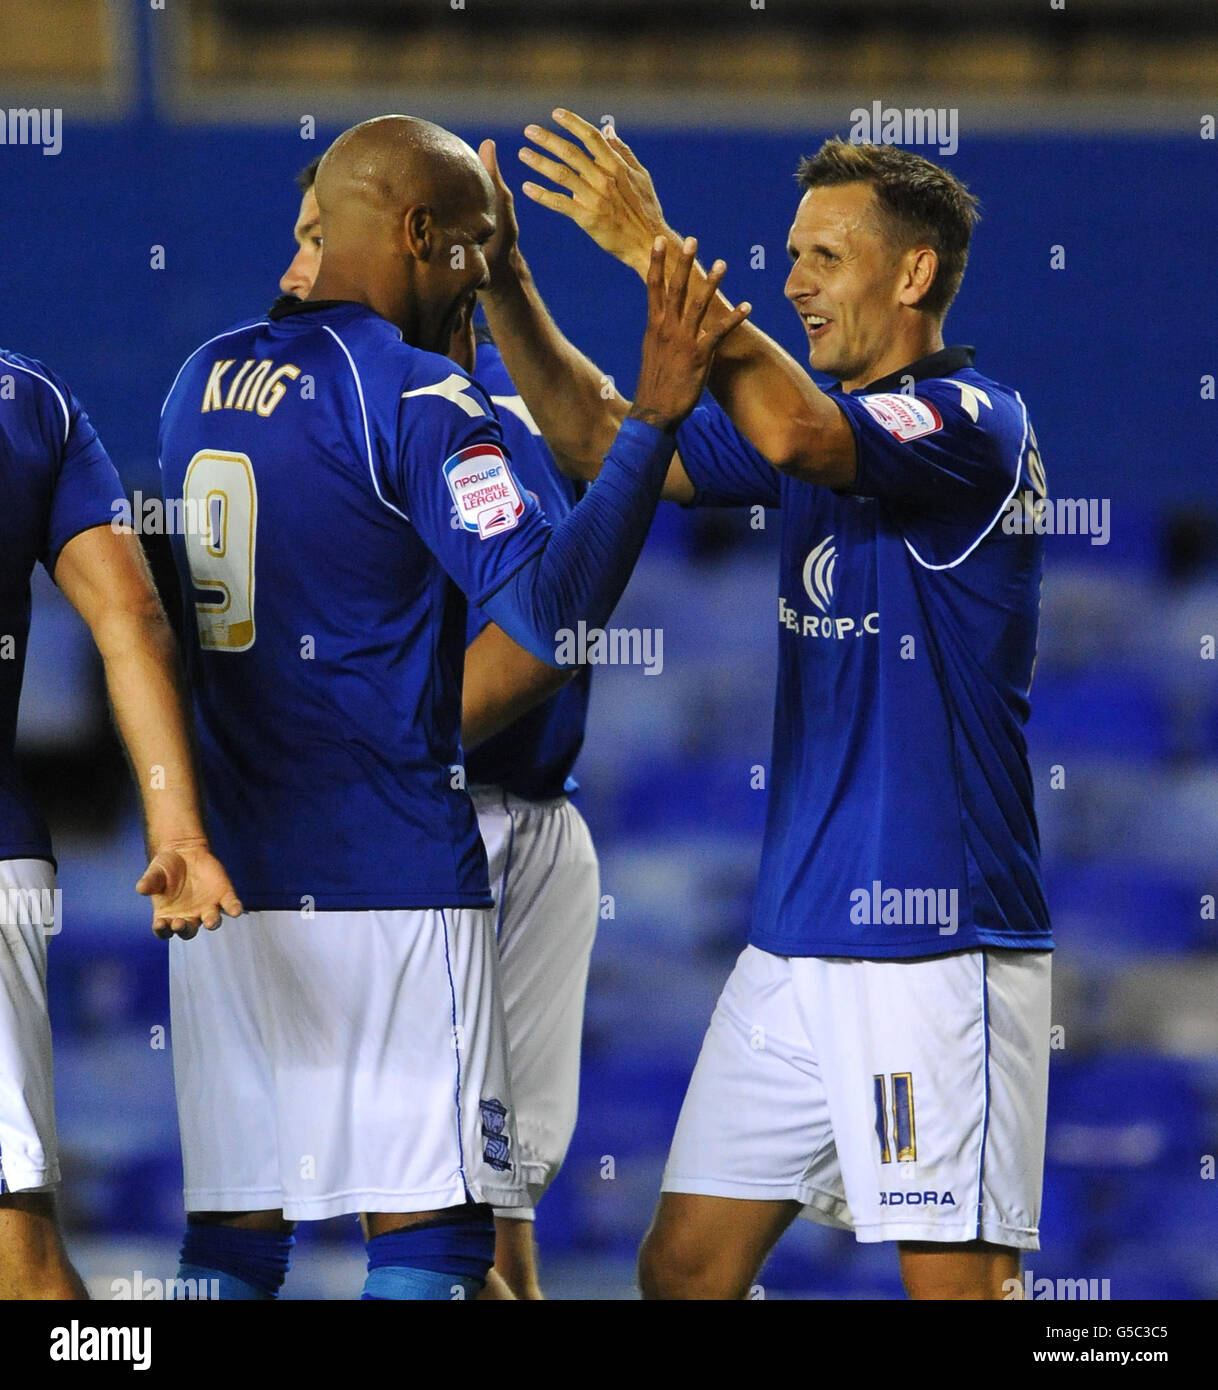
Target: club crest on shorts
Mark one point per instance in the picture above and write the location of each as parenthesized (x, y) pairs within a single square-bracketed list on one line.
[(497, 1148), (483, 490)]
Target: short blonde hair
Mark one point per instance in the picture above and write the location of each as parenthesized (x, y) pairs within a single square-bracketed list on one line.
[(919, 203)]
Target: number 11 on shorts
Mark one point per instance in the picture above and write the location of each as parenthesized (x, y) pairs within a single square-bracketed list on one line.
[(902, 1117)]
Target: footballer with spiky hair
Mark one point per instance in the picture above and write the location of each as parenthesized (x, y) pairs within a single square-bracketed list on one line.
[(878, 1059)]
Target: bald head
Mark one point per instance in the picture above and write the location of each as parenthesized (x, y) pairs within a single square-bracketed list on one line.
[(383, 167), (406, 208)]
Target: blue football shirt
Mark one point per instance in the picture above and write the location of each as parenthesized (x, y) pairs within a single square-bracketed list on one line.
[(348, 492), (534, 757), (56, 481), (900, 820)]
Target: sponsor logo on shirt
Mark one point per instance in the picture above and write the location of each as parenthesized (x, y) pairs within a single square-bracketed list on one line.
[(483, 490), (904, 417), (818, 572)]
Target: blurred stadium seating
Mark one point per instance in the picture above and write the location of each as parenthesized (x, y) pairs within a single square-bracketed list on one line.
[(1124, 704)]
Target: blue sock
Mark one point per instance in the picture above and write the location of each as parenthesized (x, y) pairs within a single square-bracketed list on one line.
[(212, 1284), (243, 1264), (442, 1260), (401, 1284)]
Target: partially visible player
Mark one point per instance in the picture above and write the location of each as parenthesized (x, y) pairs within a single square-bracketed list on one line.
[(545, 877), (879, 1056), (347, 1053), (521, 742), (302, 269), (61, 497)]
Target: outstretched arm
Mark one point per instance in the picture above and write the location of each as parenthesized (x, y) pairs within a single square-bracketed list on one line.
[(589, 556), (575, 404), (769, 397), (502, 683), (102, 573)]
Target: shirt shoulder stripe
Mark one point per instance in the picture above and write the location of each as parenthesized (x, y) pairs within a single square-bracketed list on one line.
[(229, 333), (951, 564), (359, 390), (63, 405)]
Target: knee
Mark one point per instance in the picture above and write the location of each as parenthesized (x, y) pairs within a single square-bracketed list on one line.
[(33, 1261), (39, 1271), (676, 1266), (952, 1273)]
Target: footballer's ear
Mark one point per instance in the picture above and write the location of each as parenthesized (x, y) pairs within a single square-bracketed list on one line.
[(419, 232), (920, 265)]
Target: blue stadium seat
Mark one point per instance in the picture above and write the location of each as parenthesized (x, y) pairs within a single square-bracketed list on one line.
[(98, 982), (1120, 712), (1153, 1233), (818, 1261), (1115, 906), (705, 792), (1066, 1223), (1123, 1112), (145, 1195)]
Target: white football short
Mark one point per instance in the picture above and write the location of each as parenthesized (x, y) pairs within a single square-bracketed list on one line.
[(900, 1099), (29, 1157), (546, 883), (344, 1062)]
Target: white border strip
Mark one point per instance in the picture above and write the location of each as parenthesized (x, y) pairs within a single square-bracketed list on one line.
[(633, 108)]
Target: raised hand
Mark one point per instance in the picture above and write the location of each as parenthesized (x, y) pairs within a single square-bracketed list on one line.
[(501, 247), (677, 349), (188, 886), (611, 195)]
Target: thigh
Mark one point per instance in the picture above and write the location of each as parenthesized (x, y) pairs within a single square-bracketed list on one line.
[(1019, 1013), (497, 827), (385, 1036), (702, 1247), (222, 1071), (974, 1271), (755, 1124), (33, 1261), (28, 1148), (547, 923), (912, 1079), (548, 899)]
